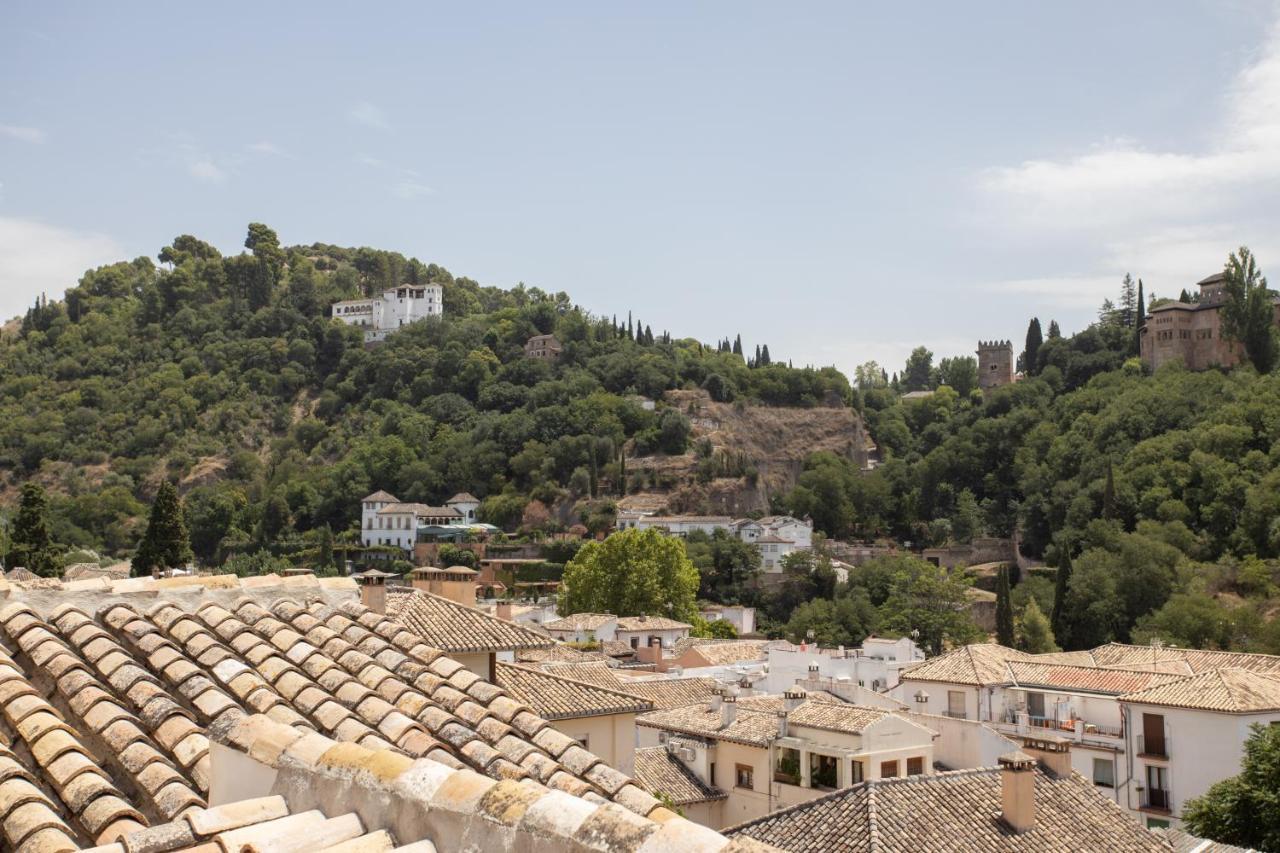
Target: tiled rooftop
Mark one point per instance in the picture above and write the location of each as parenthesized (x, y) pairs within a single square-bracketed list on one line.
[(650, 623), (580, 622), (663, 773), (1084, 678), (452, 627), (106, 715), (1233, 691), (557, 698), (956, 811), (977, 664), (728, 652)]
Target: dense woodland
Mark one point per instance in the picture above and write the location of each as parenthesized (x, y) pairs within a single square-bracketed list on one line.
[(1153, 500)]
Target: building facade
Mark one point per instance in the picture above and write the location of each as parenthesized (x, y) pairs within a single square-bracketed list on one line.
[(544, 347), (385, 520), (391, 310), (1190, 333), (995, 364)]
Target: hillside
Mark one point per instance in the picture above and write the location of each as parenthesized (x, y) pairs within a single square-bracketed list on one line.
[(225, 376)]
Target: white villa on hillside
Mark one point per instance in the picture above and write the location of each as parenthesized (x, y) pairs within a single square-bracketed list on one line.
[(392, 309), (775, 536), (385, 520)]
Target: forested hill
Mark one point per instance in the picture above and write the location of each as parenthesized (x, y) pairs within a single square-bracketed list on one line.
[(226, 376)]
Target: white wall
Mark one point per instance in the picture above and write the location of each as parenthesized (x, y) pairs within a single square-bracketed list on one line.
[(964, 744)]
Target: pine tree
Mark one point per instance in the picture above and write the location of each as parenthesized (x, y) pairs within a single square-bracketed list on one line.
[(30, 544), (1035, 635), (1054, 331), (165, 544), (1032, 350), (1128, 301), (1062, 582), (1004, 609)]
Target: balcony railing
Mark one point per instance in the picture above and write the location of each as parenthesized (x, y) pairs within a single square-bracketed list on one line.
[(955, 715), (1157, 799), (1153, 747)]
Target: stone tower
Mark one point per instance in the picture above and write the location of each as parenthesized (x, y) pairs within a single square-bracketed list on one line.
[(995, 364)]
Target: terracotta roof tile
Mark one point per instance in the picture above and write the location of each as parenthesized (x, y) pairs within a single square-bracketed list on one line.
[(957, 811), (977, 664), (454, 627), (1232, 691), (555, 697), (663, 773)]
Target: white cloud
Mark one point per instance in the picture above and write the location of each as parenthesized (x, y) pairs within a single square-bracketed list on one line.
[(1121, 180), (206, 170), (1168, 216), (266, 148), (22, 134), (411, 188), (370, 115), (37, 258)]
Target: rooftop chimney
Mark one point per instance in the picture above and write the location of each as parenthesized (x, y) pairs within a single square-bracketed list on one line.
[(782, 724), (1053, 753), (793, 699), (717, 699), (728, 711), (373, 589), (1018, 790), (503, 610)]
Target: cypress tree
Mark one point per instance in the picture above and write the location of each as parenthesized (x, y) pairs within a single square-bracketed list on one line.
[(1140, 320), (1004, 609), (756, 361), (630, 330), (1109, 495), (165, 544), (1054, 331), (1184, 297), (622, 472), (1061, 583), (324, 552), (1034, 339), (737, 345), (30, 544), (764, 355)]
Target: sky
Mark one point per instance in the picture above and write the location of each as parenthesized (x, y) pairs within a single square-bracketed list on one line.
[(840, 181)]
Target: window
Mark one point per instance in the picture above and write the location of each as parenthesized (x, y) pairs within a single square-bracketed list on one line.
[(823, 771), (743, 776), (1104, 772), (888, 769), (955, 704), (1157, 823), (1035, 704), (858, 775), (915, 766), (635, 642)]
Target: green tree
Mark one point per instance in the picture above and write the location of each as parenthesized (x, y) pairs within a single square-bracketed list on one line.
[(30, 544), (1245, 809), (918, 373), (1139, 320), (1034, 632), (631, 573), (1034, 339), (930, 600), (959, 373), (1061, 584), (847, 621), (1248, 314), (165, 544), (966, 520), (1004, 609), (325, 563)]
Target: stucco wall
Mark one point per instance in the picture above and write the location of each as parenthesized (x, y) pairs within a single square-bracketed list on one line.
[(610, 736)]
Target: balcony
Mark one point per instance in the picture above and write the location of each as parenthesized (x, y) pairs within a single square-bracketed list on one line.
[(1157, 800), (1153, 747)]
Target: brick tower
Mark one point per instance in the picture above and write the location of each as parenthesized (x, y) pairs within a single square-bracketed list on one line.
[(995, 364)]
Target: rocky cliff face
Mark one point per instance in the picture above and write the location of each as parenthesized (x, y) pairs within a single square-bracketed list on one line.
[(755, 453)]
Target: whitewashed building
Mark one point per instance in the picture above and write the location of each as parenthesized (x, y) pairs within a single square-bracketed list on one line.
[(391, 310), (875, 665), (385, 520), (467, 504)]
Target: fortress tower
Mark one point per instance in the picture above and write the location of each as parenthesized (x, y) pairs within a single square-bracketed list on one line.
[(995, 364)]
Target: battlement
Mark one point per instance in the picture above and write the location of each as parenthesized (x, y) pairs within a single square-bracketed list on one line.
[(995, 364), (994, 345)]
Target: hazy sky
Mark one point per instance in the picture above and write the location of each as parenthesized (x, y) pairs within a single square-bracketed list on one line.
[(840, 181)]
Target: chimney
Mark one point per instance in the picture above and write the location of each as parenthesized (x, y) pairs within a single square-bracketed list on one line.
[(717, 699), (792, 699), (503, 610), (813, 669), (1018, 790), (782, 724), (1053, 753), (653, 655), (373, 590), (728, 711)]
